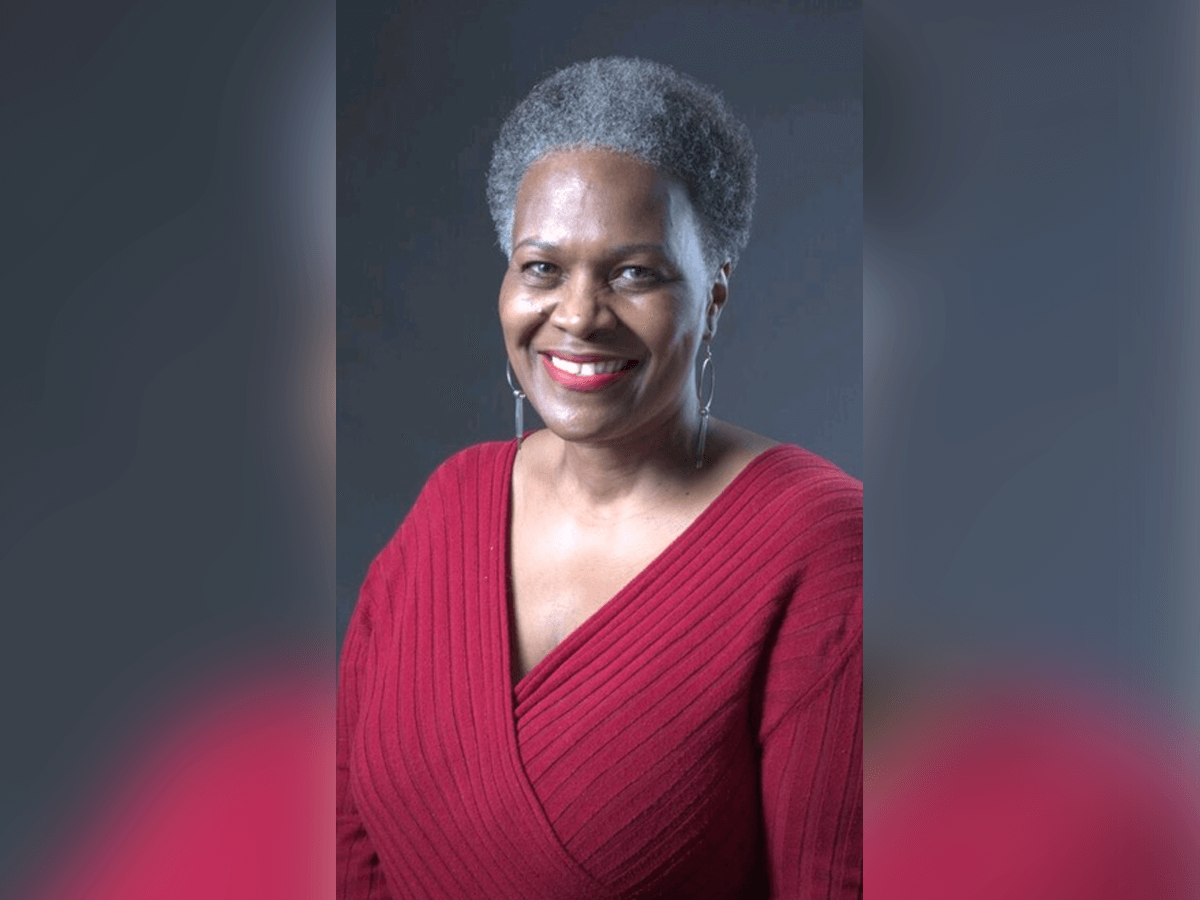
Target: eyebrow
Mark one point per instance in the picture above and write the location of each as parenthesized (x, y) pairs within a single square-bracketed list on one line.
[(621, 250)]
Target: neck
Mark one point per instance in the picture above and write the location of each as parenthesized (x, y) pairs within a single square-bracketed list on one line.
[(634, 471)]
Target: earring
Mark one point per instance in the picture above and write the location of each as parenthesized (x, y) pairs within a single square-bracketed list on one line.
[(706, 368), (519, 397)]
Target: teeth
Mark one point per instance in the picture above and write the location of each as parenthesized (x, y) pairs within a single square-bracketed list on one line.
[(607, 367)]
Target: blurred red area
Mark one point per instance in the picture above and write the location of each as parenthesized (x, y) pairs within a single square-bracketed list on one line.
[(231, 797), (1031, 792)]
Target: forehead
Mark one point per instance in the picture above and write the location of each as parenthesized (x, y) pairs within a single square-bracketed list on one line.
[(597, 195)]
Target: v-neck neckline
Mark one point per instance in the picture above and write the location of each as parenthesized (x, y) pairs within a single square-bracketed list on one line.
[(520, 690)]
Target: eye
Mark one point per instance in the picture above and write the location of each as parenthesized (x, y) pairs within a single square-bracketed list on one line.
[(539, 273), (637, 275), (539, 269)]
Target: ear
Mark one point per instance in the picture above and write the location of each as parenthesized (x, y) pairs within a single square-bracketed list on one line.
[(716, 302)]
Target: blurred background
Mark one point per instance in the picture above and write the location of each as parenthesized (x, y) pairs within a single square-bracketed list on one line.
[(1029, 292), (422, 92), (166, 509)]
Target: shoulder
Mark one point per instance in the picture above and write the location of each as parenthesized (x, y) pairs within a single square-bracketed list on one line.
[(470, 483), (474, 475), (479, 458), (816, 511), (804, 469), (795, 476), (816, 515), (803, 491), (795, 521), (822, 508), (793, 505), (482, 469)]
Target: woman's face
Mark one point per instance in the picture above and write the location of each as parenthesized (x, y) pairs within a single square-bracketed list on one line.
[(606, 297)]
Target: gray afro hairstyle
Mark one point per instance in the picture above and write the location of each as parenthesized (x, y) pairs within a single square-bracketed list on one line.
[(650, 112)]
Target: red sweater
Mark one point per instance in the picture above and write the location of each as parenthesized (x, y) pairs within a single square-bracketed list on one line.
[(699, 736)]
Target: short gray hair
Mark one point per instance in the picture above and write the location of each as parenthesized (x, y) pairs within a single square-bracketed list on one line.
[(650, 112)]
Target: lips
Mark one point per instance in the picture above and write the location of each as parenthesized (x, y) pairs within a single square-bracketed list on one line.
[(586, 372)]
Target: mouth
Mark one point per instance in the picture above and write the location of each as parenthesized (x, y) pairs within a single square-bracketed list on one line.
[(586, 373)]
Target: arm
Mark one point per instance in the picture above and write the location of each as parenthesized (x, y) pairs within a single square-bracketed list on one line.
[(812, 792), (359, 875), (811, 727)]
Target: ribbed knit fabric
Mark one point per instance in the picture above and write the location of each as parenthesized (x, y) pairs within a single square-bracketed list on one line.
[(699, 736)]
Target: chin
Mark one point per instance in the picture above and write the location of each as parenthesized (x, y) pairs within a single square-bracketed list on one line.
[(578, 432), (570, 425)]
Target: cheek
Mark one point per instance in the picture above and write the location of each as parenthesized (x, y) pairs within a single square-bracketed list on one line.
[(682, 329), (506, 303), (519, 315)]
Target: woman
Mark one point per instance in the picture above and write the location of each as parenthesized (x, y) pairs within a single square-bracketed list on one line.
[(619, 656)]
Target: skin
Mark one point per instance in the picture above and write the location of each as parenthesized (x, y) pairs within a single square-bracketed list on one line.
[(606, 262)]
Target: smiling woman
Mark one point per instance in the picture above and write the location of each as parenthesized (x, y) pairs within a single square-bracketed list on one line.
[(622, 655), (607, 297)]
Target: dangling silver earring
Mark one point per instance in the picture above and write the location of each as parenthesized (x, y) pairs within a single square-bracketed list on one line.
[(706, 368), (519, 397)]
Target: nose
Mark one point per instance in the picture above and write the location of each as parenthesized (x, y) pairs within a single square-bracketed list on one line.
[(581, 306)]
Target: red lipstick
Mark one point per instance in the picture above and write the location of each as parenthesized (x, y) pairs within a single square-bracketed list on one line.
[(582, 382)]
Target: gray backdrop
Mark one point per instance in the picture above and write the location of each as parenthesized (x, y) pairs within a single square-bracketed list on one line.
[(421, 94)]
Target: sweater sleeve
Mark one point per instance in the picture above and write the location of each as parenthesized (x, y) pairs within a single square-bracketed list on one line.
[(811, 727), (359, 876)]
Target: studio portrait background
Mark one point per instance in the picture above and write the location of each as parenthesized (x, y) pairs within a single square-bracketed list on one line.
[(421, 93)]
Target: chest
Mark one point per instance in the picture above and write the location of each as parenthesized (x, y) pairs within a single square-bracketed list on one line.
[(605, 757), (563, 570)]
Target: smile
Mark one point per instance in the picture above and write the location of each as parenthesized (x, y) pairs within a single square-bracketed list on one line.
[(602, 367), (586, 374)]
